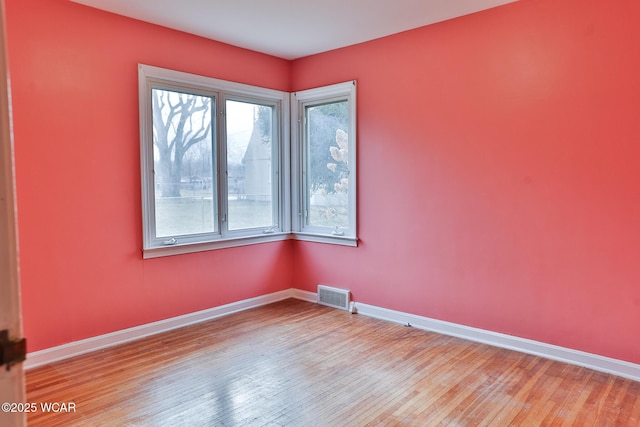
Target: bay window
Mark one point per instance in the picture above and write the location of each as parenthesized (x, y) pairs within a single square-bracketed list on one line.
[(227, 164)]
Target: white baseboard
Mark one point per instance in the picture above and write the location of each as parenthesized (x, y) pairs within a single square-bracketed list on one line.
[(76, 348), (523, 345), (304, 295)]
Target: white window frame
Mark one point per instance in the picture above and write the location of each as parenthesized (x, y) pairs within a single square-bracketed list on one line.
[(299, 101), (150, 77)]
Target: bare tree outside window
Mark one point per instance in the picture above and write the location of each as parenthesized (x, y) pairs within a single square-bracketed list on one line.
[(184, 182)]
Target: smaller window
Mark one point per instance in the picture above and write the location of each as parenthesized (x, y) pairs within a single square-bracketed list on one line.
[(325, 144)]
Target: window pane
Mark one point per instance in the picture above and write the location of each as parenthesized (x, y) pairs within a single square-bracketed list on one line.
[(327, 166), (184, 182), (249, 165)]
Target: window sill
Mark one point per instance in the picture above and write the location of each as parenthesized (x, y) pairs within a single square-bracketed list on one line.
[(325, 238), (188, 248)]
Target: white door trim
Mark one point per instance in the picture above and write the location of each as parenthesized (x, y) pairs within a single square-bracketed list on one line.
[(12, 381)]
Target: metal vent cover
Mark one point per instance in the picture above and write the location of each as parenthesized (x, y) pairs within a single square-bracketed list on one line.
[(333, 297)]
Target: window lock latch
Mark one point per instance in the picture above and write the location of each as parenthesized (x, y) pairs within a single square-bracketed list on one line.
[(270, 230), (337, 232)]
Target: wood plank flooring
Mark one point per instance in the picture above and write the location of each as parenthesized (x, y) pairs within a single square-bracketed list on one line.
[(300, 364)]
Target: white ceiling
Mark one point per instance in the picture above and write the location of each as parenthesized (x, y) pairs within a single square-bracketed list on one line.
[(293, 28)]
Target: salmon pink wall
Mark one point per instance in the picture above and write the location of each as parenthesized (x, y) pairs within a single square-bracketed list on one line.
[(75, 106), (499, 173)]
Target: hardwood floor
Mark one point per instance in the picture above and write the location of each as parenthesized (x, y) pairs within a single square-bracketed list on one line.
[(300, 364)]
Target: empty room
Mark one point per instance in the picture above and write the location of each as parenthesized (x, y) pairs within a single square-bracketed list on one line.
[(337, 213)]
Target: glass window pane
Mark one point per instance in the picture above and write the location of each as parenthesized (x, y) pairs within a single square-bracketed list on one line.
[(249, 165), (183, 159), (327, 165)]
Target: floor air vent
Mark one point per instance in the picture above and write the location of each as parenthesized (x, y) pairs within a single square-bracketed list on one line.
[(333, 297)]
